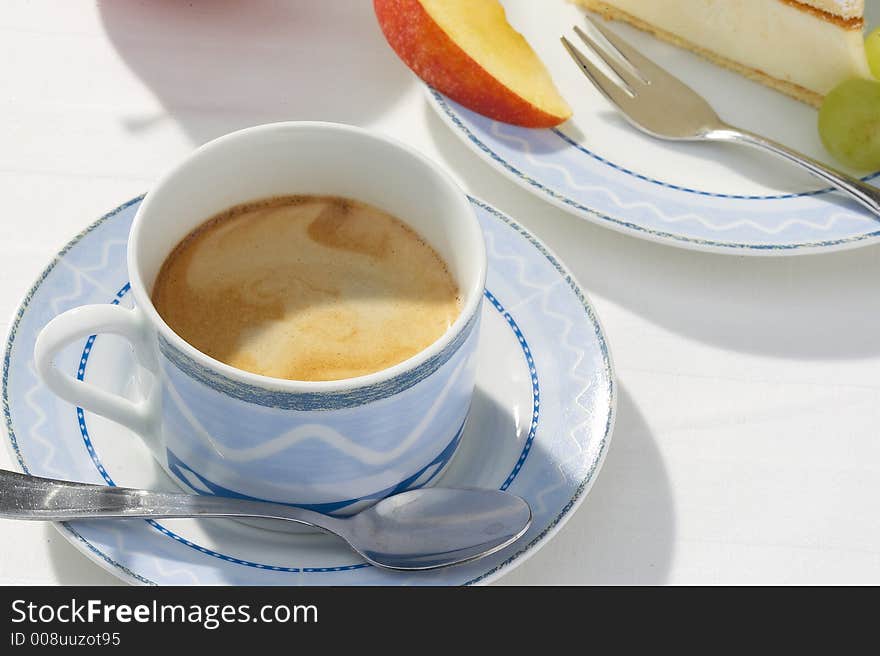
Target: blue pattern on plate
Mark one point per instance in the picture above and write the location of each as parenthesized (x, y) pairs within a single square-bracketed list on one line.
[(575, 178), (564, 339)]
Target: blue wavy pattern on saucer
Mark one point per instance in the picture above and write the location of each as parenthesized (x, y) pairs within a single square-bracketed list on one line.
[(556, 342), (555, 166)]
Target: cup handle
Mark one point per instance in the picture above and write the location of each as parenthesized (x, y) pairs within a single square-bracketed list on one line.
[(79, 323)]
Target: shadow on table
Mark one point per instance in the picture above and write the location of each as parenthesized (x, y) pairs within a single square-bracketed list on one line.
[(623, 532), (805, 307), (220, 65), (71, 567)]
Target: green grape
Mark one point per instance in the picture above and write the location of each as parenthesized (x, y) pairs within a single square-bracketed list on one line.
[(849, 123), (872, 48)]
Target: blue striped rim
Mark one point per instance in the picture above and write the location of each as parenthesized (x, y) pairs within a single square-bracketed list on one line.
[(315, 400), (7, 359), (536, 391), (585, 483)]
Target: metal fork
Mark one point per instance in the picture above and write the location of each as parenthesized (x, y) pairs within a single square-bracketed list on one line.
[(659, 104)]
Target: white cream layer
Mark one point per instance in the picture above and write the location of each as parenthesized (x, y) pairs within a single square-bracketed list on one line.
[(771, 36)]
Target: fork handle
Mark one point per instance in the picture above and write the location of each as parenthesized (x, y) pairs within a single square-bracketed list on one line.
[(867, 195)]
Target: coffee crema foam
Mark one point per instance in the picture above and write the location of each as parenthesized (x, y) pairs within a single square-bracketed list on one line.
[(306, 288)]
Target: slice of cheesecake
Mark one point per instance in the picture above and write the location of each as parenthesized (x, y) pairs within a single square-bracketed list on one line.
[(803, 48)]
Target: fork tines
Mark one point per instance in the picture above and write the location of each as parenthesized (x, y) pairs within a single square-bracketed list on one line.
[(617, 55)]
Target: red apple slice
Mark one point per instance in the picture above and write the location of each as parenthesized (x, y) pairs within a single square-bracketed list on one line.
[(468, 51)]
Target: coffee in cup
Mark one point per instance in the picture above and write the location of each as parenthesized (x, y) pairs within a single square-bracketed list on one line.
[(306, 287), (334, 446)]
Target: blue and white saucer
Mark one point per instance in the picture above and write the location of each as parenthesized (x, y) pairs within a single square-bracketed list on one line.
[(539, 426), (711, 197)]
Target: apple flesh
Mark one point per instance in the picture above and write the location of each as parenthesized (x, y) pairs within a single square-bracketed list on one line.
[(468, 51)]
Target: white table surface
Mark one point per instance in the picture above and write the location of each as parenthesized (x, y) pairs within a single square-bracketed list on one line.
[(746, 448)]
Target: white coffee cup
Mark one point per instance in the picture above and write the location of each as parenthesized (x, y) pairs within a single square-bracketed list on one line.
[(332, 446)]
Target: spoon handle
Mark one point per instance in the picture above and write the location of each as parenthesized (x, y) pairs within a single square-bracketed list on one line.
[(31, 497)]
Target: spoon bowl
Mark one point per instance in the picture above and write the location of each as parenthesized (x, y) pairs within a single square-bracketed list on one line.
[(436, 527)]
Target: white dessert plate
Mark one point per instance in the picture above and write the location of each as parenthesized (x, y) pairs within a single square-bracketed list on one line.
[(539, 425), (711, 197)]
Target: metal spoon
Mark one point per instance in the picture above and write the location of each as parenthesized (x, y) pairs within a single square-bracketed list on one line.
[(416, 530)]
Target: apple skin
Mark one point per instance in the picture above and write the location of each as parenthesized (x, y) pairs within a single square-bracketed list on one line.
[(439, 61)]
